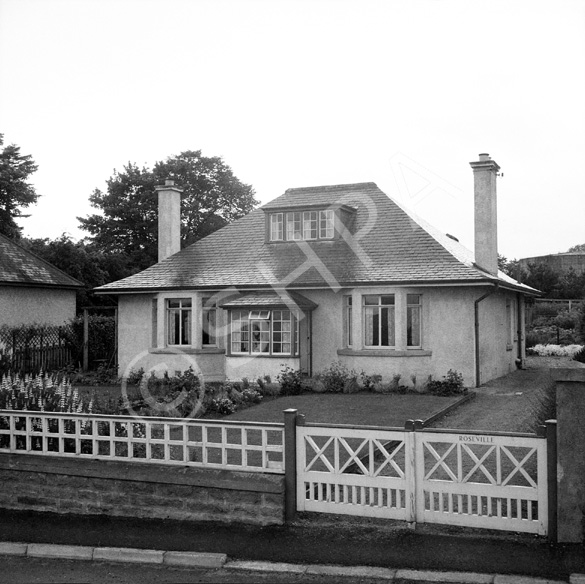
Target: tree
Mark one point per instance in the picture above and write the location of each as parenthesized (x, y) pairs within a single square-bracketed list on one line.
[(81, 261), (212, 198), (15, 191), (512, 268), (544, 278), (579, 247)]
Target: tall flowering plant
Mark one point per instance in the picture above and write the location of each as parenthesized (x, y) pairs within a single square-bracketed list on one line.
[(42, 393)]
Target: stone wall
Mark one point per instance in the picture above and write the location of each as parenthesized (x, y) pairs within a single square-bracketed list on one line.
[(96, 487), (570, 388)]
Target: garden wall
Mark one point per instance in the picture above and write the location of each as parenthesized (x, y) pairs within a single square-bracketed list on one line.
[(96, 487), (570, 389)]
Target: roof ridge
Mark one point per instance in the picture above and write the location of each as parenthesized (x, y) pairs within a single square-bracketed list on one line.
[(337, 187)]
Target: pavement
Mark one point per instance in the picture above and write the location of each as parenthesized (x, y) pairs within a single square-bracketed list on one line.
[(313, 545)]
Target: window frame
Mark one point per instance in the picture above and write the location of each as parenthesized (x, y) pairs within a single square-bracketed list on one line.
[(259, 318), (279, 224), (208, 308), (410, 307), (380, 306), (301, 225), (184, 323), (347, 321)]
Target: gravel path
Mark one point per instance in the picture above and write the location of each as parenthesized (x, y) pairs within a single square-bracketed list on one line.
[(507, 404)]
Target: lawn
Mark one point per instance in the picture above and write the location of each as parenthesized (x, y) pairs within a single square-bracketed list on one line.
[(363, 409)]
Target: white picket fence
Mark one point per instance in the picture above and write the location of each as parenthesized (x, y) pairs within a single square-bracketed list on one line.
[(245, 446), (468, 479)]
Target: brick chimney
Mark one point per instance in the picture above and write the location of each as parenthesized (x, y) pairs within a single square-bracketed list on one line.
[(169, 219), (486, 221)]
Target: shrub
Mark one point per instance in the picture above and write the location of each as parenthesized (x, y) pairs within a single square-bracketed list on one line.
[(337, 377), (543, 406), (369, 382), (580, 355), (291, 381), (223, 406), (251, 395), (556, 350), (451, 384)]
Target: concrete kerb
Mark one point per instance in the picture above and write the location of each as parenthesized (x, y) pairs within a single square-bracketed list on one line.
[(218, 561)]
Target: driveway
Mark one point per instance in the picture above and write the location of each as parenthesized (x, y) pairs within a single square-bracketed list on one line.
[(509, 403)]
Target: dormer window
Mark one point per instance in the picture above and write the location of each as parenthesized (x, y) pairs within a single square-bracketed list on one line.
[(302, 225)]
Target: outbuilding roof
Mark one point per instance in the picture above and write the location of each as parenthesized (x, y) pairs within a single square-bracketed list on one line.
[(387, 245), (20, 267)]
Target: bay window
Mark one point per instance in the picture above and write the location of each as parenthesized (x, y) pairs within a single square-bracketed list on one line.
[(263, 332)]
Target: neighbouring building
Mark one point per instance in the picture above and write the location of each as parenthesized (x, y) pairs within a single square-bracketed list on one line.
[(559, 262), (325, 274), (32, 290)]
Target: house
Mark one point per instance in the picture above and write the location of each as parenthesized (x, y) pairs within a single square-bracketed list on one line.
[(32, 290), (325, 274)]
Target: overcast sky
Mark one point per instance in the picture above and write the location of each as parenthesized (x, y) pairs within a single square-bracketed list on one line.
[(302, 93)]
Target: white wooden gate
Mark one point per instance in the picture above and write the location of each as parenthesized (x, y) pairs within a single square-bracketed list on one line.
[(355, 472), (492, 481), (480, 480)]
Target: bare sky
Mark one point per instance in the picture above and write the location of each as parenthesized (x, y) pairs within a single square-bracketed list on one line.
[(299, 93)]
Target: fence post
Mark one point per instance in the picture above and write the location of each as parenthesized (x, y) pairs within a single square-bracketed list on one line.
[(551, 471), (410, 428), (290, 464)]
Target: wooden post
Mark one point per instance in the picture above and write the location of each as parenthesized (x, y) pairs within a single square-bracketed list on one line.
[(85, 339), (290, 464), (551, 471)]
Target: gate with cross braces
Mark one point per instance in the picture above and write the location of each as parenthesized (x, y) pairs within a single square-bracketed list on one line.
[(495, 481)]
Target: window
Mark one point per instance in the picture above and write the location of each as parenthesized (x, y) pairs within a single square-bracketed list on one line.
[(240, 331), (209, 323), (276, 227), (263, 332), (379, 329), (326, 219), (413, 320), (294, 226), (347, 316), (281, 332), (179, 321), (310, 225), (302, 225)]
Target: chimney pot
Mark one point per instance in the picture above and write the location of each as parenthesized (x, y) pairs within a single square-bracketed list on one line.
[(483, 157), (169, 182)]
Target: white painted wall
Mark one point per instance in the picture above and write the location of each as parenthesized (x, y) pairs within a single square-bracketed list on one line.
[(447, 338), (26, 305)]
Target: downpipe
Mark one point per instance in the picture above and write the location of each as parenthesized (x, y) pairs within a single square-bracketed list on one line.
[(476, 312)]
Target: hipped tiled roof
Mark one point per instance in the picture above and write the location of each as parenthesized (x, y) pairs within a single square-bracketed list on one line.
[(20, 267), (388, 246)]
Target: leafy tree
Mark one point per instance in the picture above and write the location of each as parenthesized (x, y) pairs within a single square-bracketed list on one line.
[(212, 198), (543, 278), (512, 268), (579, 247), (81, 261), (15, 191)]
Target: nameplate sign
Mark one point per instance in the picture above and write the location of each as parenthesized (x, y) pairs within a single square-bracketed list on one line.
[(475, 439)]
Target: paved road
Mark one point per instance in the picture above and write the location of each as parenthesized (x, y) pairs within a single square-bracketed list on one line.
[(20, 570)]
